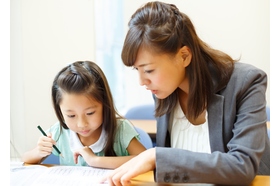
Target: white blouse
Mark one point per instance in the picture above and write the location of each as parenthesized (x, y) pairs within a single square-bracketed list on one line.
[(185, 135)]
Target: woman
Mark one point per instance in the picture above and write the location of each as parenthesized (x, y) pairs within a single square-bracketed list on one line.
[(210, 108)]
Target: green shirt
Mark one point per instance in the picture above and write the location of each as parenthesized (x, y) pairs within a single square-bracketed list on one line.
[(124, 134)]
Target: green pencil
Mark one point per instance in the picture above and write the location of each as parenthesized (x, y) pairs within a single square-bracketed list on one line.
[(58, 151)]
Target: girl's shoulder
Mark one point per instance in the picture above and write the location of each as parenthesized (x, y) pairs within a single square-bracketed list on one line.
[(125, 126), (124, 134), (55, 127), (56, 130), (121, 122)]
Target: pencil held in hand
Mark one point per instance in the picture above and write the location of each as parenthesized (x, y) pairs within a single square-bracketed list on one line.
[(42, 131)]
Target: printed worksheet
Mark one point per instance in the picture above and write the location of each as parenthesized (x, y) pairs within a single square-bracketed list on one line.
[(38, 175)]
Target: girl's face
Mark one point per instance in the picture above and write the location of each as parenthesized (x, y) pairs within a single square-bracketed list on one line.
[(162, 74), (82, 114)]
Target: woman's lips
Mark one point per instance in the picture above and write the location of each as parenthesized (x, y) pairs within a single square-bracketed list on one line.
[(154, 91)]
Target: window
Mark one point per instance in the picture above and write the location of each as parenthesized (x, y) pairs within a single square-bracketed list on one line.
[(108, 43), (109, 36)]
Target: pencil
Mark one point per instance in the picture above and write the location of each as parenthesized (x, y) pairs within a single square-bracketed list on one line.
[(58, 151)]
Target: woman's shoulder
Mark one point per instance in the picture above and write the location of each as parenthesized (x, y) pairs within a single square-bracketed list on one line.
[(240, 67), (244, 76), (244, 72)]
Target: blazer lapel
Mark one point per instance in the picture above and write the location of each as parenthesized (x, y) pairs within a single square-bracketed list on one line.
[(162, 136), (215, 123)]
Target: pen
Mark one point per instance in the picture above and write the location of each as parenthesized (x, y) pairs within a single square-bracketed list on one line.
[(53, 145)]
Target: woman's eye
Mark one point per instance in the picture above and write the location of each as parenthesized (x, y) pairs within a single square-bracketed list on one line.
[(149, 71), (70, 116)]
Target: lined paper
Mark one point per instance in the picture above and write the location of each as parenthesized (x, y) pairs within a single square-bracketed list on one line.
[(37, 175)]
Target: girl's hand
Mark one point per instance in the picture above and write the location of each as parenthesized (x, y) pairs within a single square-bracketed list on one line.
[(86, 153), (140, 164), (45, 145)]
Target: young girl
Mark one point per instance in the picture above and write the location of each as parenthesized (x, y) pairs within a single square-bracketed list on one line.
[(89, 131), (210, 109)]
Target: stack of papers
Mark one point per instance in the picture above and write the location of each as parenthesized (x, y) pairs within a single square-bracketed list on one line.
[(39, 175)]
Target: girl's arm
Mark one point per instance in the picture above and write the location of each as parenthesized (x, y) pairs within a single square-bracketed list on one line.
[(44, 148), (111, 162)]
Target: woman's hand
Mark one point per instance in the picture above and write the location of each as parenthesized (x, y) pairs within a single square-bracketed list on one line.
[(140, 164)]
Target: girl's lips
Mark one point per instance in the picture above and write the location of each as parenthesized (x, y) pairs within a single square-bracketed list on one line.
[(84, 131)]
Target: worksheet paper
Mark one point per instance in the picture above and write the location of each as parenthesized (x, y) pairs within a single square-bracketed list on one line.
[(38, 175)]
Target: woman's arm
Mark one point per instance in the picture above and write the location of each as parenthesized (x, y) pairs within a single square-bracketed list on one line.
[(140, 164)]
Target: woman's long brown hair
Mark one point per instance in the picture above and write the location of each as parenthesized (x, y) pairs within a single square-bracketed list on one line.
[(163, 29)]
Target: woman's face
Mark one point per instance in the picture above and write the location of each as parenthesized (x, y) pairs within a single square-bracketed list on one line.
[(81, 114), (162, 74)]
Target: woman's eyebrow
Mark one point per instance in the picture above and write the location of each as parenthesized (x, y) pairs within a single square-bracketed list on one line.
[(142, 65)]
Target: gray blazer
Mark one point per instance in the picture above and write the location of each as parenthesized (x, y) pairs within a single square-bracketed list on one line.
[(238, 136)]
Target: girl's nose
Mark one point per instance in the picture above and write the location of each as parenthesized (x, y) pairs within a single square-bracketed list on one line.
[(82, 122)]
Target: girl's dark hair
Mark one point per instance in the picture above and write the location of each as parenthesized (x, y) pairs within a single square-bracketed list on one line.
[(162, 28), (86, 77)]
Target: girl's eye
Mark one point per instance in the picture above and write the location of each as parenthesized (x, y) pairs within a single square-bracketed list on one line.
[(70, 116), (90, 113)]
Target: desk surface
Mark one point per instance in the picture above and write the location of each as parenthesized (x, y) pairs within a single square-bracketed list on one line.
[(268, 124), (150, 126), (148, 179)]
